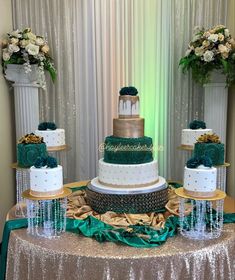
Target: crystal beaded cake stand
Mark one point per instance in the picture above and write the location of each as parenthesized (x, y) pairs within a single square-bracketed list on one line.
[(47, 215), (22, 184), (205, 220)]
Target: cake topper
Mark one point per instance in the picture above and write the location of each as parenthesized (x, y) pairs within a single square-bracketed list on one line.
[(128, 91), (47, 125), (50, 162), (196, 124), (194, 162), (31, 139), (209, 138)]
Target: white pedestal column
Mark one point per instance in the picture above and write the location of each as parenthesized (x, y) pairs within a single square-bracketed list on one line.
[(215, 108), (26, 108), (26, 98)]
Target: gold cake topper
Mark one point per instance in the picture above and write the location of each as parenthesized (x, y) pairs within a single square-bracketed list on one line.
[(31, 139), (209, 138)]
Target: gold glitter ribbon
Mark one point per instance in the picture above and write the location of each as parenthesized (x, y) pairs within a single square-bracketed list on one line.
[(199, 194), (129, 186), (46, 194)]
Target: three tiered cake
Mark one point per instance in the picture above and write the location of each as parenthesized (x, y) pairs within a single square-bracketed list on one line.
[(128, 179)]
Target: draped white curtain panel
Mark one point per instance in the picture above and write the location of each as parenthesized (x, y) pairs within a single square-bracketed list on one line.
[(100, 46)]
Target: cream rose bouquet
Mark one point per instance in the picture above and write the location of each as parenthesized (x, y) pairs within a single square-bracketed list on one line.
[(26, 48), (212, 49)]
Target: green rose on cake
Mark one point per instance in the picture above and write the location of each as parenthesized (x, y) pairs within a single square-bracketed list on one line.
[(128, 91)]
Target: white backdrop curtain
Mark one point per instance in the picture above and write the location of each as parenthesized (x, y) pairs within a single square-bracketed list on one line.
[(100, 46)]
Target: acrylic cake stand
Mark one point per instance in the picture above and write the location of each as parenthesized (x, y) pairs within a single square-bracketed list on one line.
[(23, 178), (47, 215), (205, 220)]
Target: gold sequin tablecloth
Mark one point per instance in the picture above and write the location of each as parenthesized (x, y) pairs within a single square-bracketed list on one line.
[(75, 257)]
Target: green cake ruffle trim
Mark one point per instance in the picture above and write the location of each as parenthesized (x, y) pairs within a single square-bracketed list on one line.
[(119, 150)]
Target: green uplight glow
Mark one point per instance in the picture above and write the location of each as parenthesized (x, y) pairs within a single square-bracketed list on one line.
[(150, 72)]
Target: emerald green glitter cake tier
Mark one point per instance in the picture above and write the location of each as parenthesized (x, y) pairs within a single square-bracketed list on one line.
[(119, 150), (27, 154), (214, 151)]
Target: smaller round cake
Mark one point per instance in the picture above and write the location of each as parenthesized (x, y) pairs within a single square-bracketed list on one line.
[(52, 136), (196, 129), (46, 178), (200, 178)]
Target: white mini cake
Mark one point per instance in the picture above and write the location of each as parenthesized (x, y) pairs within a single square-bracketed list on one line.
[(189, 136), (52, 138), (200, 181), (46, 181), (128, 174)]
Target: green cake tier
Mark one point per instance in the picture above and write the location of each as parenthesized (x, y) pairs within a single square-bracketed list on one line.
[(28, 153), (119, 150), (213, 150)]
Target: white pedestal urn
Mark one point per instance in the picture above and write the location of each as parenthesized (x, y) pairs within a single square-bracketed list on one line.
[(215, 105), (26, 98)]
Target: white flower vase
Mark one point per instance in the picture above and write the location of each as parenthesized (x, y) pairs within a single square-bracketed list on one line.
[(26, 98), (215, 104)]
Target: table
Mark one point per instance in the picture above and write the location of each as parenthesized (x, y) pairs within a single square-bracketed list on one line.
[(76, 257)]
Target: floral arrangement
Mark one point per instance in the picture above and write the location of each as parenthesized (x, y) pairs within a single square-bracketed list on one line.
[(196, 124), (210, 49), (47, 125), (31, 139), (209, 138), (128, 91), (24, 47), (49, 162), (194, 162)]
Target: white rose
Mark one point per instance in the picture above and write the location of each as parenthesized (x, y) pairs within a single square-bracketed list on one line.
[(40, 41), (208, 56), (16, 34), (213, 37), (24, 43), (226, 32), (14, 41), (206, 34), (199, 51), (13, 48), (6, 55), (32, 49), (45, 49)]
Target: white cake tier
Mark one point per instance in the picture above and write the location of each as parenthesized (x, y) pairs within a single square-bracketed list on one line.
[(46, 181), (200, 181), (52, 138), (128, 106), (119, 175), (96, 186), (189, 136)]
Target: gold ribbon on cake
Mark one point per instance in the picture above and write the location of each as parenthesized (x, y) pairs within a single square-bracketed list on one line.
[(46, 194), (199, 194), (129, 186), (31, 139)]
